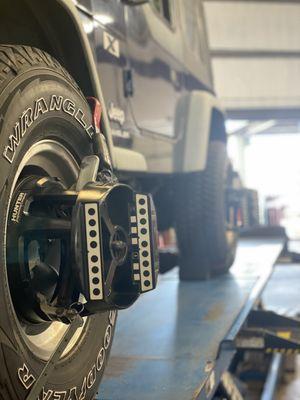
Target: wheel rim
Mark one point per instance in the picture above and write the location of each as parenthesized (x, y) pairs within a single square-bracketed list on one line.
[(52, 159)]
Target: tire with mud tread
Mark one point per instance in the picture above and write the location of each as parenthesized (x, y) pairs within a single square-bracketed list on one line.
[(206, 247), (44, 129)]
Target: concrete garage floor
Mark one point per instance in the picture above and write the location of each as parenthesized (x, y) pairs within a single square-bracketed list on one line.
[(284, 298)]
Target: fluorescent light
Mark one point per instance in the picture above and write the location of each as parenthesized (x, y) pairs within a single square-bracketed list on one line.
[(234, 125), (104, 19), (261, 127)]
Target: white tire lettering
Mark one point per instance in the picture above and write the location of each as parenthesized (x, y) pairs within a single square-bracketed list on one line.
[(100, 359), (112, 317), (25, 377), (46, 395), (107, 337), (60, 395), (90, 130), (40, 108), (73, 394), (69, 107), (55, 103), (14, 141), (79, 116), (26, 120), (83, 390), (92, 376), (30, 115)]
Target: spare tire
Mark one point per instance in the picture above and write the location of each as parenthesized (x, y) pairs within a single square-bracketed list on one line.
[(44, 122), (206, 245)]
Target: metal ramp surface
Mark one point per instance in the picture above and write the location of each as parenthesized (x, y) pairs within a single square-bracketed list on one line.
[(167, 344)]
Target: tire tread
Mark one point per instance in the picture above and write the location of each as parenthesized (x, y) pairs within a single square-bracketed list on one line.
[(15, 58), (200, 219)]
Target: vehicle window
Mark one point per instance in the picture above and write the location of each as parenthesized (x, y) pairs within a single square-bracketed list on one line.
[(194, 26), (164, 9)]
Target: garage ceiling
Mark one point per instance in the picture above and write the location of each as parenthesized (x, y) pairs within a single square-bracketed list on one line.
[(255, 48)]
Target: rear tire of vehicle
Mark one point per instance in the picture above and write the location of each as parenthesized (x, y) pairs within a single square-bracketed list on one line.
[(205, 246), (30, 119)]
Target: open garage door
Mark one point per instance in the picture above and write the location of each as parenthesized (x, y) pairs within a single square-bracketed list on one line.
[(255, 47)]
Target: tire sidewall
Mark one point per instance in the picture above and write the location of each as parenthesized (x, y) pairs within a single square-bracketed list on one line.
[(78, 374)]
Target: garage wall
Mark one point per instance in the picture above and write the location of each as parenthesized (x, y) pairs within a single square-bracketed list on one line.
[(255, 47)]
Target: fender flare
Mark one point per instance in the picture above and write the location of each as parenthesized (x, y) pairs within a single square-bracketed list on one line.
[(72, 11), (199, 118)]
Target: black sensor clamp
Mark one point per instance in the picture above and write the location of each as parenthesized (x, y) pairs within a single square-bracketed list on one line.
[(90, 247), (115, 245)]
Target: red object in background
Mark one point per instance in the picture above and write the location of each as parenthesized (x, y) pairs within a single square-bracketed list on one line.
[(275, 216), (167, 240), (274, 211), (96, 109)]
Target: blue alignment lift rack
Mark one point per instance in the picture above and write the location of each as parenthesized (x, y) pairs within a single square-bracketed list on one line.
[(180, 341)]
